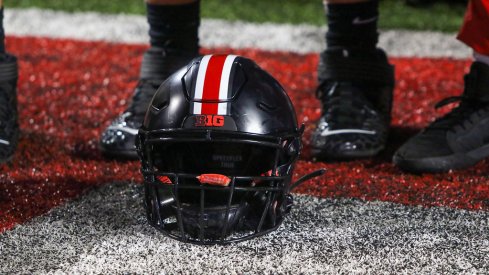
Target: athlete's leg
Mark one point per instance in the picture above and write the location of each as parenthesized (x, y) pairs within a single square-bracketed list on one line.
[(461, 138), (355, 84), (174, 42), (9, 128), (174, 25)]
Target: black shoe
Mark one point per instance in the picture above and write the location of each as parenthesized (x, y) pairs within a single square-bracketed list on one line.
[(9, 127), (118, 139), (356, 94), (457, 140)]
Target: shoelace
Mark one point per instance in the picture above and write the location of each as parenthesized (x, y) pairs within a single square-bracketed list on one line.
[(338, 105), (141, 100), (457, 115), (4, 109)]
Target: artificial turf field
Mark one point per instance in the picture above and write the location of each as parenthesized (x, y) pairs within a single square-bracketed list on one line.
[(394, 14), (364, 216), (65, 88)]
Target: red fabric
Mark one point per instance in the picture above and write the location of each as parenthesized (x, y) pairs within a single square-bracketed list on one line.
[(475, 29)]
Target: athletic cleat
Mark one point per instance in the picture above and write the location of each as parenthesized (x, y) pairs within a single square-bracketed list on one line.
[(118, 139), (457, 140), (356, 95), (350, 126), (9, 127)]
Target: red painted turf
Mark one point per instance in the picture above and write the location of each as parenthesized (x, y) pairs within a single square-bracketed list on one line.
[(70, 90)]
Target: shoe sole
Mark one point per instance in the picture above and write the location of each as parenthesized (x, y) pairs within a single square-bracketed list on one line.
[(442, 164)]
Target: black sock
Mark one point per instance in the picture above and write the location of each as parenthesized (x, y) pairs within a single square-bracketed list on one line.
[(175, 27), (353, 26), (2, 33)]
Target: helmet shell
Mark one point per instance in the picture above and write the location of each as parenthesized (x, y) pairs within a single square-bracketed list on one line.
[(245, 99), (220, 115)]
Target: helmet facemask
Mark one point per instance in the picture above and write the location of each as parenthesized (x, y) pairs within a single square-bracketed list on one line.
[(211, 187)]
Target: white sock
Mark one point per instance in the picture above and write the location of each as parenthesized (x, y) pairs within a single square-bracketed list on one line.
[(481, 58)]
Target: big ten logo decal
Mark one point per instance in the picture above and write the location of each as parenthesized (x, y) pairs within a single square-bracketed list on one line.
[(209, 121)]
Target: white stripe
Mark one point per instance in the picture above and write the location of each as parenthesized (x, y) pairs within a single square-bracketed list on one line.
[(199, 86), (6, 142), (224, 86), (221, 33), (327, 132)]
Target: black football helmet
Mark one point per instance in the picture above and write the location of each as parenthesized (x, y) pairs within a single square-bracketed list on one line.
[(218, 147)]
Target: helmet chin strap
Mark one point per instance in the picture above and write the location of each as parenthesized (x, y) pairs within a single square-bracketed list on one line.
[(307, 177)]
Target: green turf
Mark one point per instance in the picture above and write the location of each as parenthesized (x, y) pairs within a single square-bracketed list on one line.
[(394, 13)]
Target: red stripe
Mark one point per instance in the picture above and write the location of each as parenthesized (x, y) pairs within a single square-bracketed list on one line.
[(212, 83)]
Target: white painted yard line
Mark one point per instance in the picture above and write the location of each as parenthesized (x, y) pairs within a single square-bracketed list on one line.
[(219, 33)]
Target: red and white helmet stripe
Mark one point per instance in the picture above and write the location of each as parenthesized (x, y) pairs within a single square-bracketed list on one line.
[(213, 85)]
